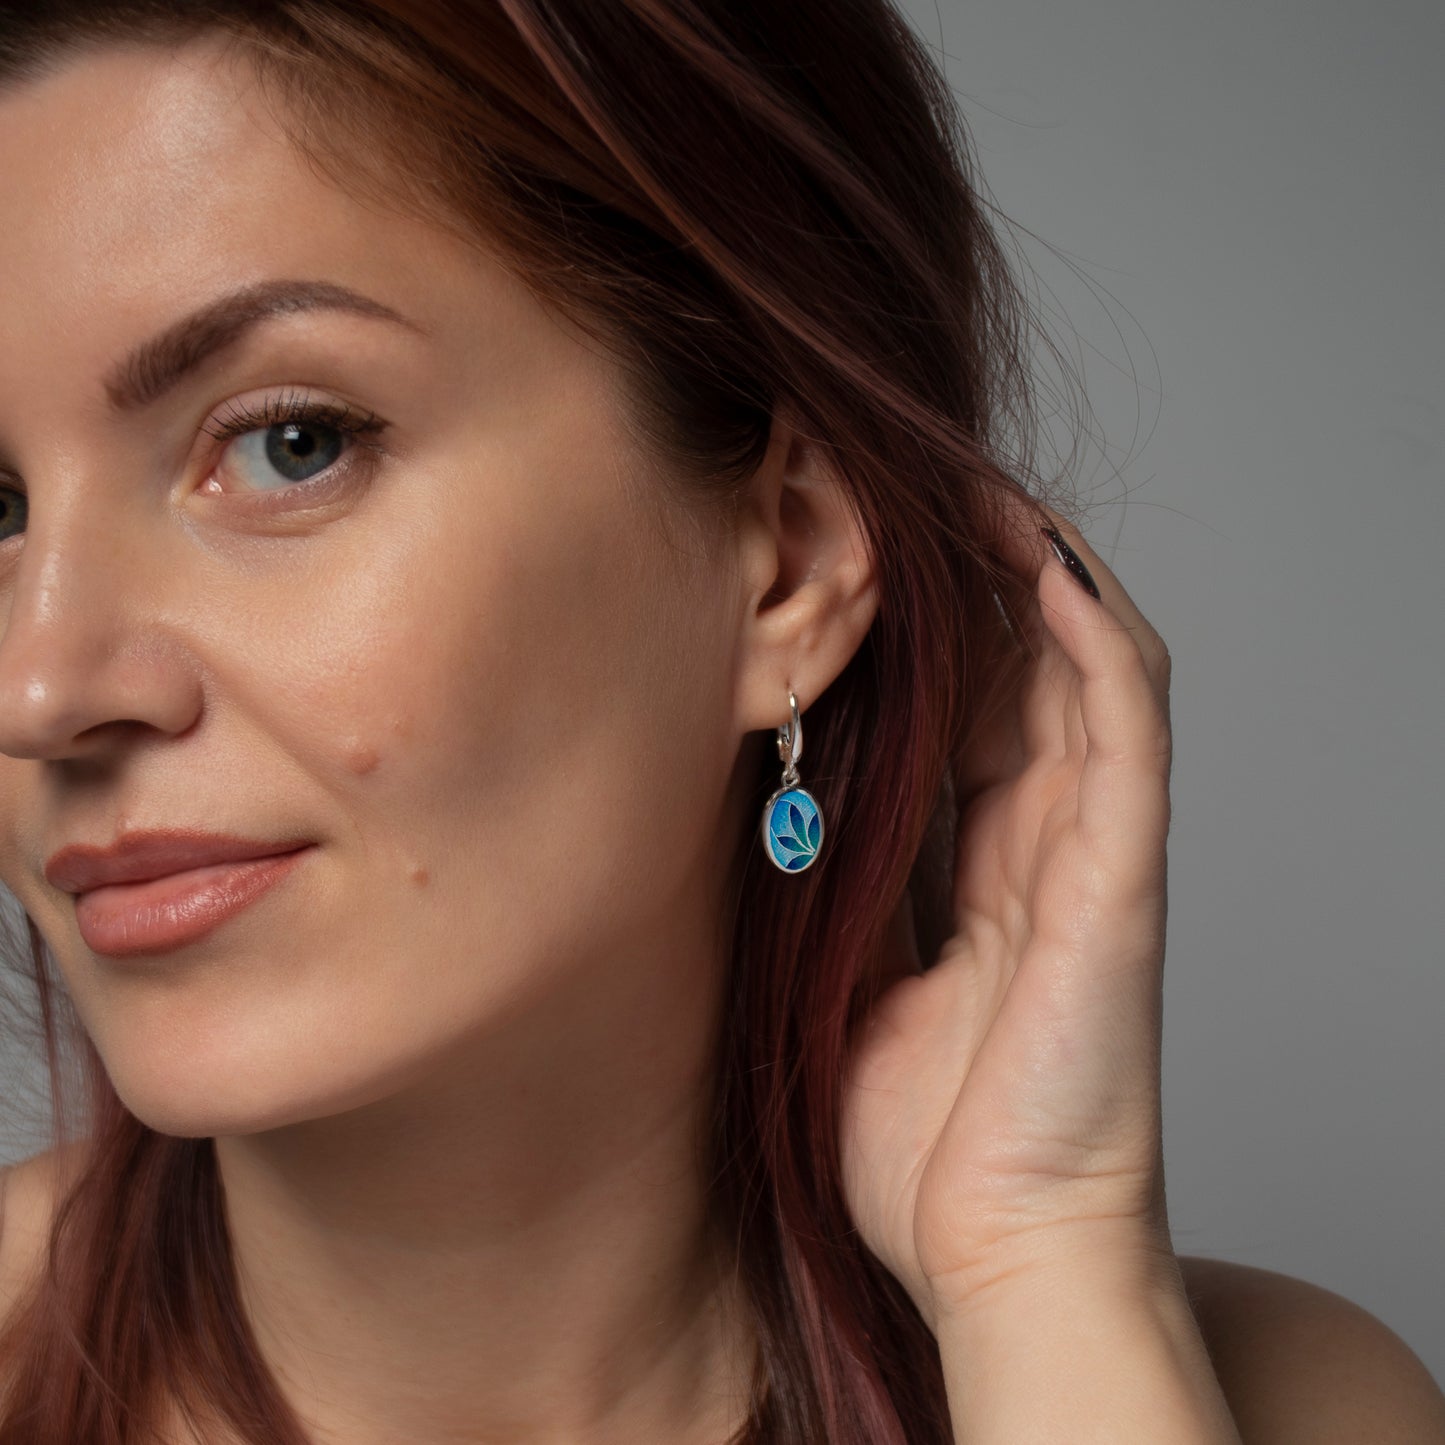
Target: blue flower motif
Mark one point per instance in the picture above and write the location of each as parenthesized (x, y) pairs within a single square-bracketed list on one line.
[(795, 830)]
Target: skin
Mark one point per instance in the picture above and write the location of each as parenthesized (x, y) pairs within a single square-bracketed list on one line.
[(455, 1064)]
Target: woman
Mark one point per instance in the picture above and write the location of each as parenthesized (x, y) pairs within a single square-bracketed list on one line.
[(448, 450)]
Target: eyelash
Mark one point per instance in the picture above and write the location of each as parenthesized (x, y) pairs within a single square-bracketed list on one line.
[(361, 427)]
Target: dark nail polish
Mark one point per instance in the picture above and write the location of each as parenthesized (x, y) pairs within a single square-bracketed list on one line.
[(1070, 559)]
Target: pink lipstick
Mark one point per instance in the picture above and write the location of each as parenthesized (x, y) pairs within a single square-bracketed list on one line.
[(156, 889), (161, 914)]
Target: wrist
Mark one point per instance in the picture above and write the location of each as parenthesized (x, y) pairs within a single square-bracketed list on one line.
[(1123, 1263), (1091, 1347)]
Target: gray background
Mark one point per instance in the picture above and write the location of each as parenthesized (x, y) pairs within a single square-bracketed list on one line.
[(1249, 201)]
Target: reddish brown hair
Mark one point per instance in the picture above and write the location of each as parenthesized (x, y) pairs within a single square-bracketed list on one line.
[(751, 203)]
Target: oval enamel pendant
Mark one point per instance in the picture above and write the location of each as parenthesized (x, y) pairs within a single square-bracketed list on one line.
[(792, 829)]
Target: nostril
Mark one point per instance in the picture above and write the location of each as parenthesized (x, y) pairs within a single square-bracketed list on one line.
[(58, 703)]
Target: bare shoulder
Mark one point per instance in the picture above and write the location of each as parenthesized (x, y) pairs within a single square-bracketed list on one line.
[(29, 1194), (1301, 1365)]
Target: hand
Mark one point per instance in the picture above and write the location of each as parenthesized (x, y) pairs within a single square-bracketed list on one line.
[(1003, 1108)]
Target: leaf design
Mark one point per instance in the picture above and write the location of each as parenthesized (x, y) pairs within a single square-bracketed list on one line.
[(787, 829), (794, 837)]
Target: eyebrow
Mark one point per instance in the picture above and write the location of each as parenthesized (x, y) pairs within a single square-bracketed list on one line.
[(158, 364)]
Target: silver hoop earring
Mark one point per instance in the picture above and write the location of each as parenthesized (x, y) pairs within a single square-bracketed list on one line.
[(792, 826)]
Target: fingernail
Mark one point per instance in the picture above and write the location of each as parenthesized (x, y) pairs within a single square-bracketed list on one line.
[(1070, 559), (1008, 621)]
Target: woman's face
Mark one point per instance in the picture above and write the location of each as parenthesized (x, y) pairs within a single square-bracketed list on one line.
[(456, 655)]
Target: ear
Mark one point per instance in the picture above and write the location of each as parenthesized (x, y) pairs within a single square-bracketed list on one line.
[(810, 590)]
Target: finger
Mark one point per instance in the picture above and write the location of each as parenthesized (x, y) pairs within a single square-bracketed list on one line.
[(1123, 787), (1117, 599), (1025, 548), (1038, 715), (1035, 714)]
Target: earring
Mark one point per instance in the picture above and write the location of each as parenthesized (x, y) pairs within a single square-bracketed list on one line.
[(792, 827)]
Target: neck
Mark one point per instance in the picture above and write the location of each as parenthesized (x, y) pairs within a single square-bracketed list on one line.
[(515, 1246)]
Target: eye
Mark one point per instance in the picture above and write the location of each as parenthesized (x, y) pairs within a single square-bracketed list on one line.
[(291, 443), (14, 510)]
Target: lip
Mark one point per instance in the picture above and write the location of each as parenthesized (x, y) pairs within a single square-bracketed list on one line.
[(137, 856), (158, 915)]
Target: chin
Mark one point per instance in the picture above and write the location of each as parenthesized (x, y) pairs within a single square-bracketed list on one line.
[(192, 1097), (195, 1112)]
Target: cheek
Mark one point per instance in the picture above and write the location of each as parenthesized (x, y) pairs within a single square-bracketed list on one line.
[(361, 758), (16, 805), (495, 703), (506, 720)]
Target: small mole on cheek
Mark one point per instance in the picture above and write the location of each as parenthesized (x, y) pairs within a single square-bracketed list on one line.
[(420, 876), (362, 759)]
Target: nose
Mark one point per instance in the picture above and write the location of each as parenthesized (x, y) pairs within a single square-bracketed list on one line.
[(86, 653)]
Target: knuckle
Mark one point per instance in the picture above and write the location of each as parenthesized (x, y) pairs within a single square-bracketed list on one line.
[(1161, 740), (1156, 655), (1164, 668), (1153, 733)]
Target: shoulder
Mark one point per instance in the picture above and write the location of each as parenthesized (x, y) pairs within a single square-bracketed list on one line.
[(29, 1194), (1301, 1365)]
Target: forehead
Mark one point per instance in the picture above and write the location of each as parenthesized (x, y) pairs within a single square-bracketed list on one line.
[(137, 177), (127, 161), (141, 182)]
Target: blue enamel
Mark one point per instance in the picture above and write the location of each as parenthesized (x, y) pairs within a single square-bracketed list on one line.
[(793, 829)]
